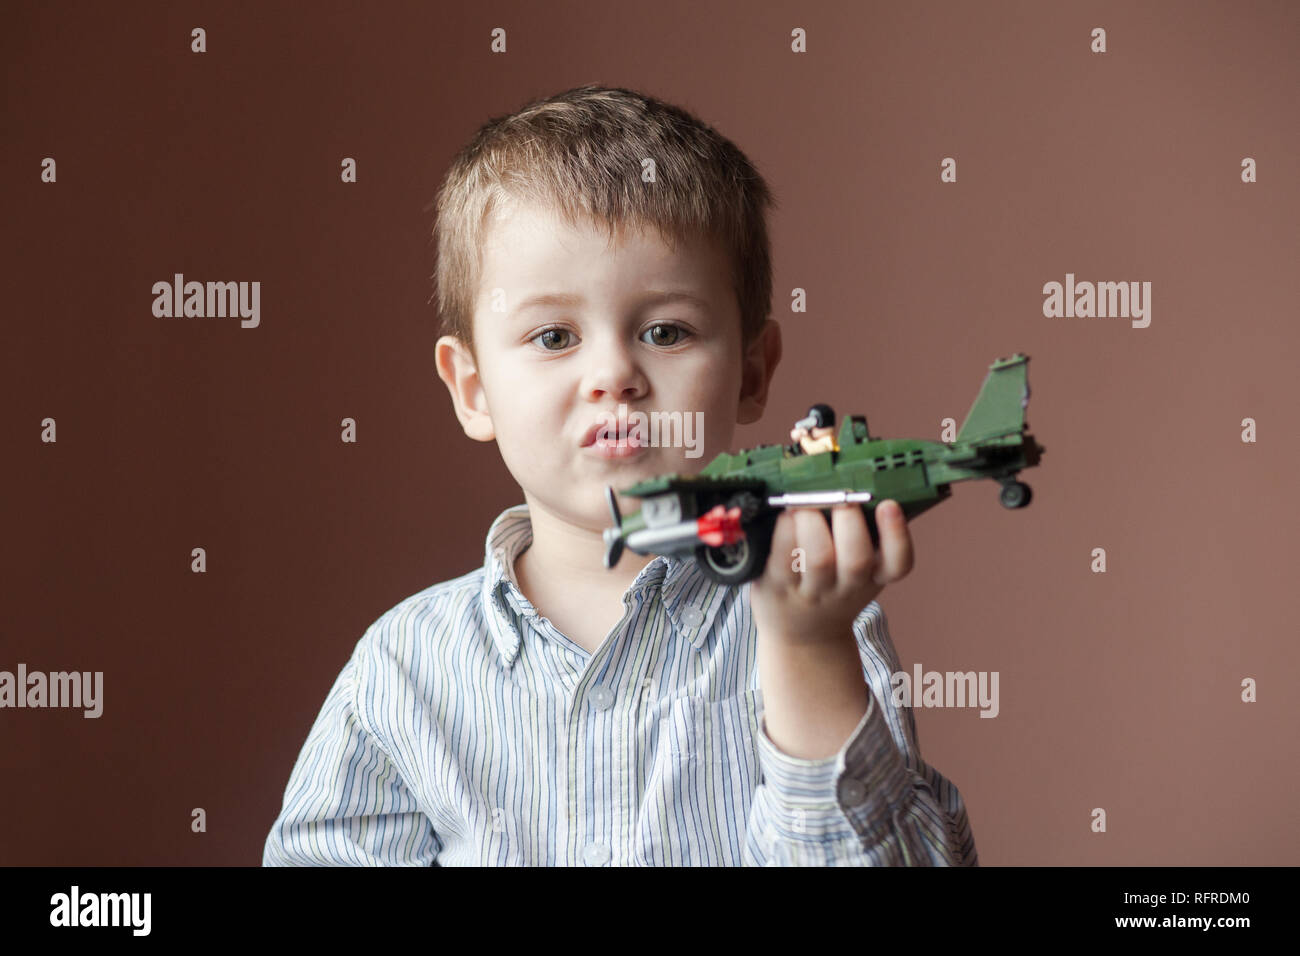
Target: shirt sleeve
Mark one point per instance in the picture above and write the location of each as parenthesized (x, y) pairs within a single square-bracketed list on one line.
[(346, 804), (875, 803)]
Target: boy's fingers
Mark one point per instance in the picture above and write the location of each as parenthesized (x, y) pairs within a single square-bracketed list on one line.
[(895, 543), (780, 559), (854, 555), (814, 537)]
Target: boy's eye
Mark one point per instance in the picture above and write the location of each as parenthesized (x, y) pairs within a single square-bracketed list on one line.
[(663, 335), (553, 340)]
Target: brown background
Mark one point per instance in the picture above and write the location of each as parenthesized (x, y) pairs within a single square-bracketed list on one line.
[(1118, 690)]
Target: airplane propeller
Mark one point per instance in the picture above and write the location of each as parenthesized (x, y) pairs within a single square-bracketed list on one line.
[(613, 536)]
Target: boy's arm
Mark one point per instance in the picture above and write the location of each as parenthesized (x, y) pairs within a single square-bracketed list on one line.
[(346, 804), (875, 803)]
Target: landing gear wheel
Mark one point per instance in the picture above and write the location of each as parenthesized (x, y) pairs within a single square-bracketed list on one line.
[(734, 564), (1015, 494)]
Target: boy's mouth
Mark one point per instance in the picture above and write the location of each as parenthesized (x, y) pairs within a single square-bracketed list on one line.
[(612, 439), (607, 431)]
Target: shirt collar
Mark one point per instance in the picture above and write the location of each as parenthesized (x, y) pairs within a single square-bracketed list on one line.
[(691, 600)]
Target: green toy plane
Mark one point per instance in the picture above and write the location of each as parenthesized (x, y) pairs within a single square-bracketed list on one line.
[(725, 515)]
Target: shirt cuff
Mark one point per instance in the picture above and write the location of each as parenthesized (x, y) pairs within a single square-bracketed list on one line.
[(852, 794)]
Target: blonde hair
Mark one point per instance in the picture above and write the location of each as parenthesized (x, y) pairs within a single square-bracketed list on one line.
[(579, 153)]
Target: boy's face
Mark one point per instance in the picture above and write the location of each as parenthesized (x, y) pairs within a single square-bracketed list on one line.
[(547, 372)]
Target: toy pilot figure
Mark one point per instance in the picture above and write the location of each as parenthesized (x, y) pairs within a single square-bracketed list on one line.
[(815, 433)]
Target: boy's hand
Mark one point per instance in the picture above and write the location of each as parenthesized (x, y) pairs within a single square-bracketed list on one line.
[(842, 573)]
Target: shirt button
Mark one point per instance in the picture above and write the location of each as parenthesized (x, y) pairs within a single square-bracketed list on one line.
[(595, 854), (692, 616), (602, 698), (852, 792)]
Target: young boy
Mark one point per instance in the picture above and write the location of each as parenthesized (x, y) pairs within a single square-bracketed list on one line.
[(602, 253)]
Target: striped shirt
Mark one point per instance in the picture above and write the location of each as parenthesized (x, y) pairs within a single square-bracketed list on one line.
[(466, 730)]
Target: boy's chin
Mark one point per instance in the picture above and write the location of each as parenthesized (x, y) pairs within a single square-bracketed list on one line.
[(628, 474), (652, 463), (582, 507), (584, 503)]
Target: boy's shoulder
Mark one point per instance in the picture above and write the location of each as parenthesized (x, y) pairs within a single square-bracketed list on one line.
[(447, 614), (445, 608)]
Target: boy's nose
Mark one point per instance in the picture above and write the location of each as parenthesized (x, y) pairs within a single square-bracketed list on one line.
[(613, 372)]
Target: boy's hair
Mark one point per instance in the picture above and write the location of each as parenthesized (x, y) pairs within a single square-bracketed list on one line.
[(579, 153)]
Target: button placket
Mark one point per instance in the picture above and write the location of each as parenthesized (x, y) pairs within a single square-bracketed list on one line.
[(601, 698)]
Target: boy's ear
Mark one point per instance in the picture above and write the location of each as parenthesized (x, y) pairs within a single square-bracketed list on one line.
[(760, 363), (456, 367)]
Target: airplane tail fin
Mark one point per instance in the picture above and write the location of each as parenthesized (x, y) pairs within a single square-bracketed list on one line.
[(999, 409)]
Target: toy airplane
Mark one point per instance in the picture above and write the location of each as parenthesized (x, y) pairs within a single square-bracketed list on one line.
[(725, 515)]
